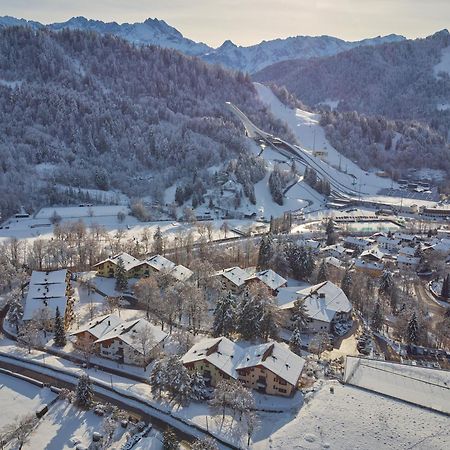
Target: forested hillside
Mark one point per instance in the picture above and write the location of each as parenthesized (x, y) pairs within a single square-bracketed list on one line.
[(402, 80), (392, 145), (85, 110)]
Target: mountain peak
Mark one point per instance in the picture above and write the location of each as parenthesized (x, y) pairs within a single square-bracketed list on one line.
[(227, 44)]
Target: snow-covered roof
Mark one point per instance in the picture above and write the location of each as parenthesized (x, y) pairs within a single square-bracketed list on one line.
[(46, 290), (385, 240), (409, 260), (338, 248), (34, 305), (55, 276), (159, 263), (309, 243), (322, 301), (100, 326), (220, 352), (128, 261), (270, 278), (373, 253), (362, 264), (357, 241), (333, 262), (275, 357), (128, 332), (235, 274), (405, 237), (407, 251), (181, 273)]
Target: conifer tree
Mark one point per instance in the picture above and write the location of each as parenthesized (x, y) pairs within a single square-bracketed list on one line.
[(158, 244), (322, 275), (121, 276), (445, 291), (295, 342), (412, 332), (265, 252), (346, 283), (224, 316), (377, 317), (84, 395), (170, 441), (60, 334), (300, 314)]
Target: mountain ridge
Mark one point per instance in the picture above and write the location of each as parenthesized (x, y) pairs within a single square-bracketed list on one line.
[(245, 58)]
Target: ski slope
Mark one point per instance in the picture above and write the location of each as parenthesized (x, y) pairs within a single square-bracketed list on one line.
[(310, 135)]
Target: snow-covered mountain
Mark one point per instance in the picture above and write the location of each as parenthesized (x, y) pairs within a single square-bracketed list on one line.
[(255, 57), (152, 31), (248, 59)]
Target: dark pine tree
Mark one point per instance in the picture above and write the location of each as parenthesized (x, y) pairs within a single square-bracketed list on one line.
[(224, 316), (158, 241), (170, 441), (60, 334), (322, 275), (121, 276), (377, 317), (83, 394), (412, 332)]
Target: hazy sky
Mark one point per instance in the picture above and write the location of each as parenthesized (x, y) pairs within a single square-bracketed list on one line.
[(248, 22)]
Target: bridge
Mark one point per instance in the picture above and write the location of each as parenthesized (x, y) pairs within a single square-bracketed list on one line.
[(339, 191)]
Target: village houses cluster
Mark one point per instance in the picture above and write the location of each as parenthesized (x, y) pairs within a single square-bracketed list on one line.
[(270, 367)]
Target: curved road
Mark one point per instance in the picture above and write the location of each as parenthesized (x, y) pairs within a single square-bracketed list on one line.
[(296, 152)]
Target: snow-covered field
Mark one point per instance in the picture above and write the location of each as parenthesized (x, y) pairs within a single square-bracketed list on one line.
[(76, 212), (19, 398), (418, 385), (106, 217), (63, 425), (352, 418)]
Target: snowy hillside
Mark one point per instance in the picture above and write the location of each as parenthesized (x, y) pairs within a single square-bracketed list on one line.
[(256, 57), (310, 135), (370, 79)]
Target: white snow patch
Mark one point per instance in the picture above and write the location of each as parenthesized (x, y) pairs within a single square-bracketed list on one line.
[(11, 84), (333, 104), (19, 398), (443, 106), (444, 64)]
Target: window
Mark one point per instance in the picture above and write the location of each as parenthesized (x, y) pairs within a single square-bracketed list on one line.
[(282, 391)]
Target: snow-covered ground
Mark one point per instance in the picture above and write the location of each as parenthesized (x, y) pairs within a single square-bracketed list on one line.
[(77, 212), (19, 398), (418, 385), (352, 418), (63, 425), (106, 216)]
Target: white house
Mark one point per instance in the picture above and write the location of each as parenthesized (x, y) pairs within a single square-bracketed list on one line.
[(270, 278), (405, 262), (325, 304), (388, 243), (233, 279), (132, 342)]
